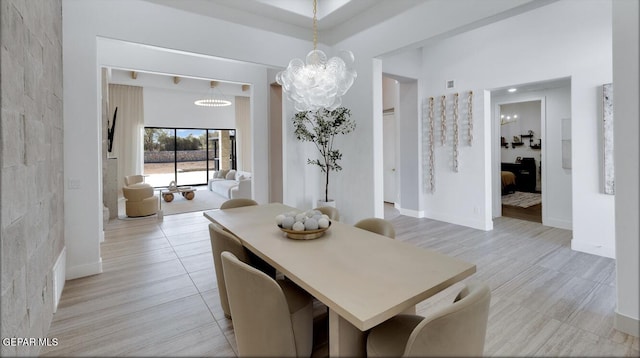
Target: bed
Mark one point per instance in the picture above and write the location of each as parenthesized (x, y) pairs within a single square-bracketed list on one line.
[(508, 182)]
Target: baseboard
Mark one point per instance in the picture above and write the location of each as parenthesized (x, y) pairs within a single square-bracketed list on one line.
[(627, 324), (89, 269), (59, 277), (560, 224), (598, 250), (409, 212)]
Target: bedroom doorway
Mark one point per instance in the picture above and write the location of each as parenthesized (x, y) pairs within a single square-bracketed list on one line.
[(549, 146), (521, 159)]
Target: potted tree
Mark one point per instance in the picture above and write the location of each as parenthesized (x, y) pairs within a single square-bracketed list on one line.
[(321, 127)]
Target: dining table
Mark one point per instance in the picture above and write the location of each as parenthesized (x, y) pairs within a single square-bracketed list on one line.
[(362, 277)]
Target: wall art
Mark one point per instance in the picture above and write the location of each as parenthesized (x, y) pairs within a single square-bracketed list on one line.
[(607, 138), (470, 118), (443, 120)]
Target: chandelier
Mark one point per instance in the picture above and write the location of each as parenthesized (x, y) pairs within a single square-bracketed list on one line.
[(212, 101), (318, 83)]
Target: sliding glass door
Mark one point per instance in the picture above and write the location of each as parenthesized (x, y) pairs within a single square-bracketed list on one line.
[(191, 156), (188, 156), (159, 156)]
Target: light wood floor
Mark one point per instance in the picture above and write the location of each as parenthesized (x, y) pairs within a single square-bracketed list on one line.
[(158, 294)]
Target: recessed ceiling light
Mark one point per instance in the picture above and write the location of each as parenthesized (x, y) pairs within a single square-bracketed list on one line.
[(511, 90)]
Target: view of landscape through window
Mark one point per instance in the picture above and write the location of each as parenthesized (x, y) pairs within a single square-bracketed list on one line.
[(187, 156)]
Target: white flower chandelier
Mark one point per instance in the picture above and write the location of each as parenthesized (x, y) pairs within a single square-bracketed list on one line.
[(320, 83)]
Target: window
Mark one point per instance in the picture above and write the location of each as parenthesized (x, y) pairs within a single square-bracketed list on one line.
[(188, 156)]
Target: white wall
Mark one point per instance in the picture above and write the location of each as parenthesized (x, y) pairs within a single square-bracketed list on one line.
[(167, 108), (626, 75), (574, 42), (361, 190), (167, 104), (87, 26)]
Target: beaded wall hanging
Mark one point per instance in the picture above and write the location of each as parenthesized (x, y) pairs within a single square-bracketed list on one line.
[(428, 144), (429, 135), (456, 136)]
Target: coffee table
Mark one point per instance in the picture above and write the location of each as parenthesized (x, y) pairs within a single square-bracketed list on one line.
[(188, 192)]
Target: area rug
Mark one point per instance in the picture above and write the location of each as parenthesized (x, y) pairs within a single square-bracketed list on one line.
[(522, 199), (204, 200)]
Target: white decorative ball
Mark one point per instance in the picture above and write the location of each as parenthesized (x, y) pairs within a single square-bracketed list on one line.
[(323, 223), (287, 222), (279, 219), (301, 217), (317, 217), (298, 226), (326, 216), (311, 224)]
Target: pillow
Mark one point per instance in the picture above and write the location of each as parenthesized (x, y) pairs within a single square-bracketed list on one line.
[(240, 177), (223, 173), (215, 174), (231, 175)]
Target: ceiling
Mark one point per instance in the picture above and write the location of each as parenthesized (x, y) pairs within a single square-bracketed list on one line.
[(337, 19), (295, 17)]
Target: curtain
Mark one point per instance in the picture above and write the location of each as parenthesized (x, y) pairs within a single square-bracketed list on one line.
[(243, 132), (127, 141)]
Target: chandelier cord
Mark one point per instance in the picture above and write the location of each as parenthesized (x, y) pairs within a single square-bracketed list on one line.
[(315, 25)]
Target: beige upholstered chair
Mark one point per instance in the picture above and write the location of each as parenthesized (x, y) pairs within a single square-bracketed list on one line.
[(238, 202), (140, 200), (133, 179), (457, 330), (379, 226), (270, 318), (331, 212), (221, 241)]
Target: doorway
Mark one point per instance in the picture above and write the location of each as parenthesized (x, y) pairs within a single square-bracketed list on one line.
[(547, 146), (521, 160), (389, 156), (390, 89)]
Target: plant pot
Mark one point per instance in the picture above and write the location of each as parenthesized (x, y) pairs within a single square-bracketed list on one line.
[(331, 203)]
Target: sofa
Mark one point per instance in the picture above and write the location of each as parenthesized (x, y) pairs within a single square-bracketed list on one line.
[(231, 184)]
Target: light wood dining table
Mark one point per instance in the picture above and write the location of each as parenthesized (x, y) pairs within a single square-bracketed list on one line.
[(362, 277)]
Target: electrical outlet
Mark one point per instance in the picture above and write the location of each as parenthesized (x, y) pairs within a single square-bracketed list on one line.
[(73, 184)]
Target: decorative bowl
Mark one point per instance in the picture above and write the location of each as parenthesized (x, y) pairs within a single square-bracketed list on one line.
[(304, 235)]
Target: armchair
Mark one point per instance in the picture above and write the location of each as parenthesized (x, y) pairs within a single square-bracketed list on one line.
[(140, 200)]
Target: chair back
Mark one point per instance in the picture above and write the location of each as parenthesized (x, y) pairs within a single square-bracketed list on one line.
[(238, 202), (331, 212), (261, 320), (137, 192), (133, 179), (222, 241), (377, 225), (458, 330)]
